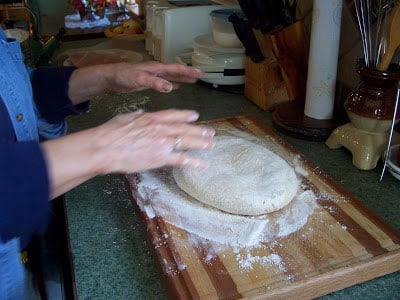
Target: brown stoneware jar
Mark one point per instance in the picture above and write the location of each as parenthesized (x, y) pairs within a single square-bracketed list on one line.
[(375, 96)]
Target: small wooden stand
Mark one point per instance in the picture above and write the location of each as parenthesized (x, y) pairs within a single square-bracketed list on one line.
[(264, 84), (281, 76)]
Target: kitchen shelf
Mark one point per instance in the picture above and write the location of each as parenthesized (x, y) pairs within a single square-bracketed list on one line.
[(15, 12)]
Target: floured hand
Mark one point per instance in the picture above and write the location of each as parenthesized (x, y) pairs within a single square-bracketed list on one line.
[(127, 143)]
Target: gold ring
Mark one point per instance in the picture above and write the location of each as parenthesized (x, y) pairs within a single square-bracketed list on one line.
[(178, 142)]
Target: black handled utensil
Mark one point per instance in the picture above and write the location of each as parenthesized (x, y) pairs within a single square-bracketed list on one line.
[(268, 13), (248, 9), (289, 11), (244, 32)]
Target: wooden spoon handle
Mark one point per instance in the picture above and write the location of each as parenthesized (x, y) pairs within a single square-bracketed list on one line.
[(392, 37)]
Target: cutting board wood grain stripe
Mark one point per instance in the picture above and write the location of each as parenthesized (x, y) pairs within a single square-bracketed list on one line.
[(217, 272), (343, 242)]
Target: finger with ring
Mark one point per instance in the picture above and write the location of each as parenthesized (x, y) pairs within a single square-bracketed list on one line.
[(178, 143)]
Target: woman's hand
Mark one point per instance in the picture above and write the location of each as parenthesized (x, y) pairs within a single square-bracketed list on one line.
[(128, 77), (127, 143), (139, 141), (88, 82)]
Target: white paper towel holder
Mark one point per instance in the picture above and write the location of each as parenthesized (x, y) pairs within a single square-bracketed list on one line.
[(311, 114)]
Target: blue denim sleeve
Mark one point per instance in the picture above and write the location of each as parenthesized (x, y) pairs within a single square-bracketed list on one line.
[(12, 277), (24, 185), (50, 92)]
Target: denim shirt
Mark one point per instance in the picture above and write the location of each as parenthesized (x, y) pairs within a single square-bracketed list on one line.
[(17, 97), (12, 281), (26, 119)]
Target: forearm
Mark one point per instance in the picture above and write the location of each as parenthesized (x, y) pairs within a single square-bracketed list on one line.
[(128, 143), (68, 167), (88, 82)]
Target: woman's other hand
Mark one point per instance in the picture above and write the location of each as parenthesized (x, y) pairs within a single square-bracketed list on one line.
[(128, 77), (127, 143), (88, 82)]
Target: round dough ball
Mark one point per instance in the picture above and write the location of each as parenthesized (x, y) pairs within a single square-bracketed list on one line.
[(243, 178)]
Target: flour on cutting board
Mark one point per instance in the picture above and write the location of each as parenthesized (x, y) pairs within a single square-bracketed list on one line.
[(159, 195), (164, 198)]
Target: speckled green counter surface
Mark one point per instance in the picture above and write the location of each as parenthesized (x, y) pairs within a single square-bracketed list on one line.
[(111, 259)]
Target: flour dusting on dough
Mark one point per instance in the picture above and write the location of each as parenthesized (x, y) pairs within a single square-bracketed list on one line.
[(159, 195)]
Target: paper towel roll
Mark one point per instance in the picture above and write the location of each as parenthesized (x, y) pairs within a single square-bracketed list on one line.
[(322, 64)]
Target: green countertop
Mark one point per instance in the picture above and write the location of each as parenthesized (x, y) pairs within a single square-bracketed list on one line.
[(111, 259)]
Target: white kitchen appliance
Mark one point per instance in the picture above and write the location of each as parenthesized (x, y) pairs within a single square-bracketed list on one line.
[(185, 34), (222, 65), (150, 11), (173, 28)]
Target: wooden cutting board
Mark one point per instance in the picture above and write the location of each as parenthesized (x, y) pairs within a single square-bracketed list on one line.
[(343, 243)]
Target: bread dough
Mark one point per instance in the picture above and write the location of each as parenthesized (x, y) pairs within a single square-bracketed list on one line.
[(243, 178)]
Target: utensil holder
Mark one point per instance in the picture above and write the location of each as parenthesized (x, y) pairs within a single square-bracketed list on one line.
[(290, 46), (281, 76), (370, 106), (264, 84)]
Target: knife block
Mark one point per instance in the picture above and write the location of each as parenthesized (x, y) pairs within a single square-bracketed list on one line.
[(290, 45), (281, 77), (264, 84)]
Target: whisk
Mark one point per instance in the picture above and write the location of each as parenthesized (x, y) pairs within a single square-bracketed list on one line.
[(372, 17)]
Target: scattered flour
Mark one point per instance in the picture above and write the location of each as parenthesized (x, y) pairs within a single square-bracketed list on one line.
[(157, 194), (129, 103), (247, 260), (124, 102), (164, 198)]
